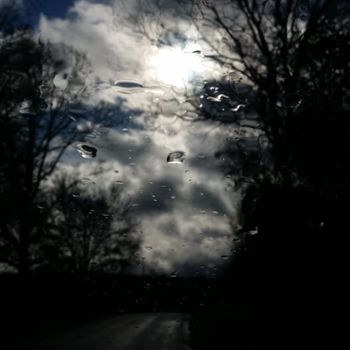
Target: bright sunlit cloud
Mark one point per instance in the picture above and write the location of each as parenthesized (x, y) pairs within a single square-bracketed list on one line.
[(175, 66)]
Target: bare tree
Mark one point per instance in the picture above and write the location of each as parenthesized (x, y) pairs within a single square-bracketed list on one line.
[(88, 229), (35, 132), (282, 49)]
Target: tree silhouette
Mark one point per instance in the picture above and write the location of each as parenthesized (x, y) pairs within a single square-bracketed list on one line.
[(282, 49), (88, 229), (293, 56), (35, 132)]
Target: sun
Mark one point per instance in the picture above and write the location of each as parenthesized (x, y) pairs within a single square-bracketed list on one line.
[(176, 66)]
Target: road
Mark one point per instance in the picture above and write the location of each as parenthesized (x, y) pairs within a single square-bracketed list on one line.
[(158, 331)]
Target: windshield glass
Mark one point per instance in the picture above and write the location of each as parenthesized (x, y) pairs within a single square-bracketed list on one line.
[(159, 159)]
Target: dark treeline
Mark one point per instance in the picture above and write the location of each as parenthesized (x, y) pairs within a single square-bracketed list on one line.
[(50, 221), (63, 238), (293, 57)]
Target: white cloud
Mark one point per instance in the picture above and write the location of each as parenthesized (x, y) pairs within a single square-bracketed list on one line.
[(176, 229)]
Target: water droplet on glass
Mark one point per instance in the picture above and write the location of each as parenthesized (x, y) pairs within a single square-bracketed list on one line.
[(86, 151), (84, 126), (26, 108), (202, 211), (149, 247), (125, 130), (293, 101), (201, 156), (174, 274), (224, 257), (215, 212), (176, 157), (237, 108), (217, 98), (172, 197), (128, 86), (75, 194), (253, 232), (119, 182), (61, 81)]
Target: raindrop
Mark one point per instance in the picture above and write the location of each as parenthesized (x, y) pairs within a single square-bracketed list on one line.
[(176, 157), (202, 211), (26, 108), (86, 151), (119, 182), (125, 130), (128, 86), (174, 274), (84, 126), (172, 197), (293, 101), (202, 193), (75, 194), (218, 98), (253, 232), (61, 81), (224, 257), (149, 247), (201, 156), (215, 212), (237, 108)]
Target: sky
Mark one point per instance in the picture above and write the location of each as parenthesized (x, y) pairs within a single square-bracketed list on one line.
[(185, 210)]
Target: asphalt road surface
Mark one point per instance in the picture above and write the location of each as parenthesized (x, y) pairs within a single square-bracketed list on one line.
[(154, 331)]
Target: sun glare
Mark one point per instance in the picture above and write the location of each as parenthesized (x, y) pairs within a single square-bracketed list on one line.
[(176, 66)]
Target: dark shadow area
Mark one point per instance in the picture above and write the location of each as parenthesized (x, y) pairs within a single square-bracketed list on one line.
[(293, 252)]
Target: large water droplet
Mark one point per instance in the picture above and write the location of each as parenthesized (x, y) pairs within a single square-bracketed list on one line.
[(61, 81), (86, 151), (176, 157), (128, 86)]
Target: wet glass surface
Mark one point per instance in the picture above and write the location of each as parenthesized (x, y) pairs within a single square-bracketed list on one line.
[(169, 147)]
